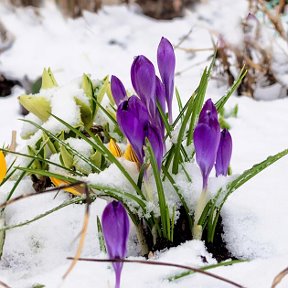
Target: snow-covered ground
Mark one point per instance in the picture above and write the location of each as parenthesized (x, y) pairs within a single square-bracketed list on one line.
[(255, 216)]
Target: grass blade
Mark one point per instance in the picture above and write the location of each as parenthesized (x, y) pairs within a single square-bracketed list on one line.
[(101, 236), (221, 102), (238, 182), (164, 212), (197, 104)]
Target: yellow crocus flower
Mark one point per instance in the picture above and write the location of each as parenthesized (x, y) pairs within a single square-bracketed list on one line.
[(130, 155), (114, 148), (57, 183)]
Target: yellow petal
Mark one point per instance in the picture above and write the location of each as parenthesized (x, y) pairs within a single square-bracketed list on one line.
[(114, 148), (130, 154), (3, 167), (57, 183)]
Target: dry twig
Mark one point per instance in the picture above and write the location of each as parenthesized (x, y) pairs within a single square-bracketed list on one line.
[(279, 277)]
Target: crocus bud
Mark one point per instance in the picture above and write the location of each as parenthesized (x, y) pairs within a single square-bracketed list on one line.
[(154, 136), (115, 225), (224, 153), (144, 82), (118, 90), (166, 64), (48, 79), (132, 117), (206, 140), (3, 167)]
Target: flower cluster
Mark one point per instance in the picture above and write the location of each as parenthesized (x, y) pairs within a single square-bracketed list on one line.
[(212, 147), (138, 116)]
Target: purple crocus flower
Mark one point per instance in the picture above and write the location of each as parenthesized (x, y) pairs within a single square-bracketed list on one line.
[(143, 79), (115, 225), (160, 98), (166, 64), (154, 136), (160, 94), (206, 139), (118, 90), (224, 153), (132, 117)]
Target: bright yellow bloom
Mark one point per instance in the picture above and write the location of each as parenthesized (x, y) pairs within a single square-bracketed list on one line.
[(57, 183), (114, 148), (130, 154), (3, 167)]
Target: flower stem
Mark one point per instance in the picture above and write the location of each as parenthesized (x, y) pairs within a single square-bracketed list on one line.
[(117, 279), (201, 203)]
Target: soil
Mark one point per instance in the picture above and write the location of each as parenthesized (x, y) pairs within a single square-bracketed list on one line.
[(41, 183), (218, 248), (6, 85), (182, 234)]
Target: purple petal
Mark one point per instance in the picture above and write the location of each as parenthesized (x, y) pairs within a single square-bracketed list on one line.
[(206, 142), (160, 97), (224, 153), (154, 137), (118, 90), (208, 113), (166, 64), (115, 225), (144, 81), (160, 94), (132, 117)]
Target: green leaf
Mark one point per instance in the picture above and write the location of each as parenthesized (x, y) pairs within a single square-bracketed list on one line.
[(48, 79), (99, 94), (221, 102), (164, 211), (96, 158), (50, 144), (41, 159), (67, 158), (69, 202), (37, 105), (179, 102), (101, 236), (181, 198), (223, 194), (87, 86), (85, 112), (164, 119), (2, 233), (68, 147), (177, 155), (197, 104), (38, 286), (208, 267)]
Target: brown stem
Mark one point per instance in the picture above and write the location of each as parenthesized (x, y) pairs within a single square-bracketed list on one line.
[(3, 285), (279, 277), (24, 196), (158, 263)]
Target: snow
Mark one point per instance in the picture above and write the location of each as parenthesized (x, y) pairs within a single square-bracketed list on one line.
[(254, 217)]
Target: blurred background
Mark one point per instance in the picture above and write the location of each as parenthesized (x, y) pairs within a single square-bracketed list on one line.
[(101, 37)]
